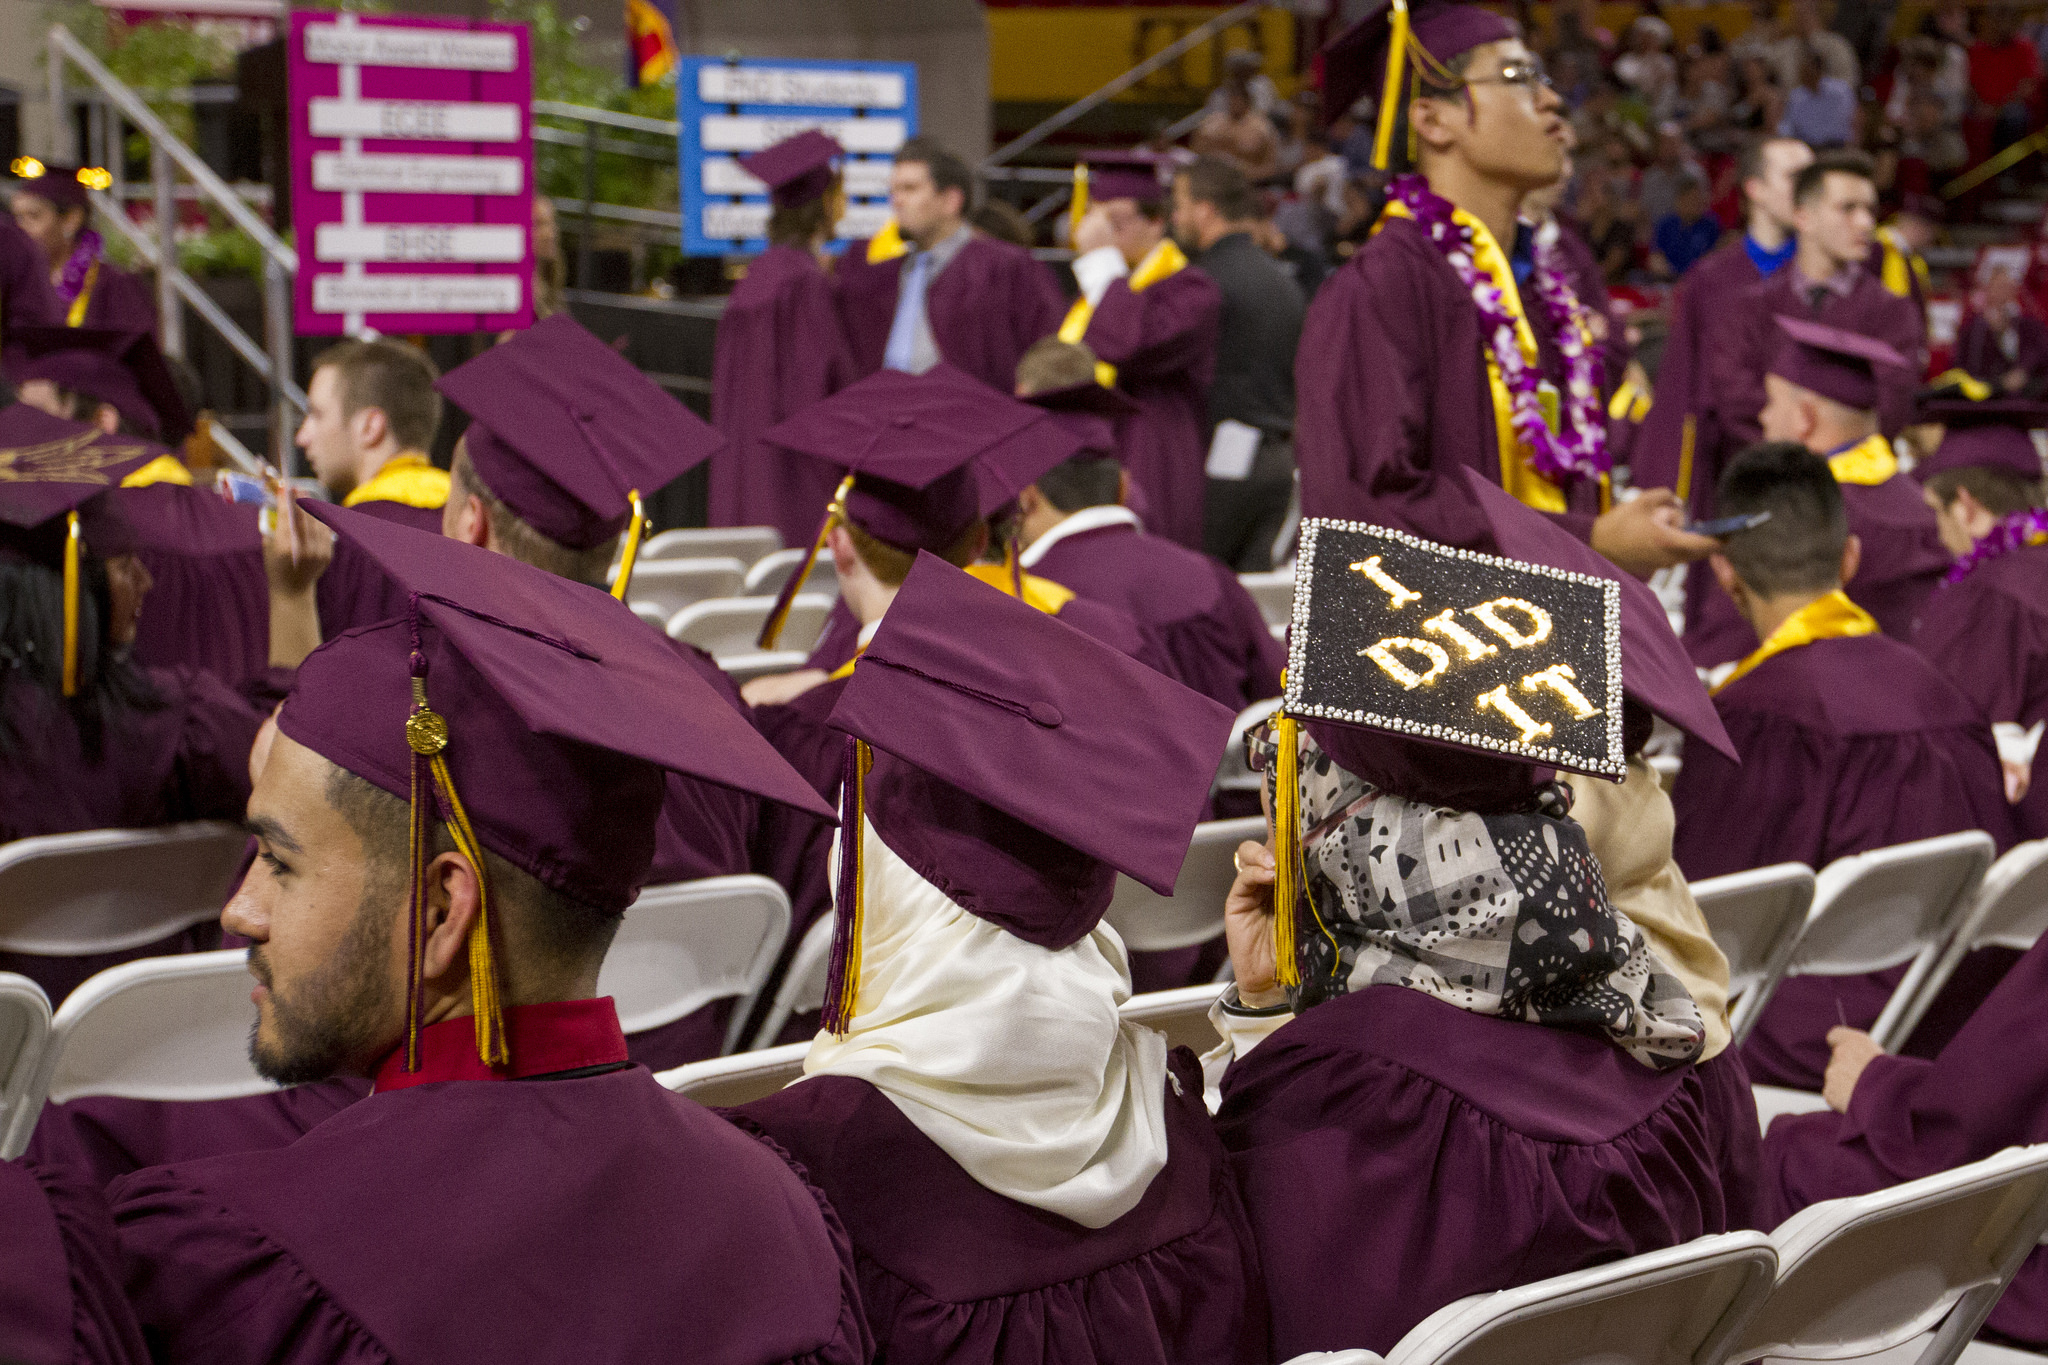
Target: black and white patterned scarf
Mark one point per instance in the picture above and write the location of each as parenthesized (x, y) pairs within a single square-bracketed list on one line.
[(1497, 914)]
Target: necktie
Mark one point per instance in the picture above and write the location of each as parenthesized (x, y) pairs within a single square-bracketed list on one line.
[(901, 352)]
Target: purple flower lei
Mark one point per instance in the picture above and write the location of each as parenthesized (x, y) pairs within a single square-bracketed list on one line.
[(84, 252), (1580, 450), (2013, 532)]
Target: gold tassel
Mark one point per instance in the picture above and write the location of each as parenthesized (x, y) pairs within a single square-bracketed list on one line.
[(627, 557), (842, 994), (1390, 93), (771, 631), (1078, 210), (1286, 845), (71, 605), (1685, 443)]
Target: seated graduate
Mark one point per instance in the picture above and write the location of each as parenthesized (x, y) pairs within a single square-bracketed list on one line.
[(1076, 531), (458, 807), (1453, 1065), (1025, 1176), (1850, 740), (88, 739), (1895, 1119), (209, 606), (61, 1299), (1822, 392), (1987, 629)]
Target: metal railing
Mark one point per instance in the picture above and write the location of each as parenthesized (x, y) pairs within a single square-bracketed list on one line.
[(167, 155)]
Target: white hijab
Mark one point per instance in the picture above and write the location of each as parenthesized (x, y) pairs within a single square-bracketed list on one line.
[(1009, 1056)]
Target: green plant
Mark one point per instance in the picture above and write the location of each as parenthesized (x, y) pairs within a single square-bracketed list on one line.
[(156, 57)]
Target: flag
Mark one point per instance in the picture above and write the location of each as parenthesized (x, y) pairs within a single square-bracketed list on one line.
[(652, 54)]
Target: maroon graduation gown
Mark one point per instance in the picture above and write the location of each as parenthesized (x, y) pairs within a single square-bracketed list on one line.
[(1911, 1117), (1162, 340), (210, 606), (780, 348), (119, 301), (1699, 307), (1392, 396), (1205, 623), (1978, 351), (354, 591), (26, 296), (1397, 1153), (797, 847), (60, 1276), (468, 1220), (1847, 745), (986, 308), (1589, 286), (952, 1272)]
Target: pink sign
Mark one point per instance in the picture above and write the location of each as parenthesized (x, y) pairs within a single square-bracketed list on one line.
[(412, 173)]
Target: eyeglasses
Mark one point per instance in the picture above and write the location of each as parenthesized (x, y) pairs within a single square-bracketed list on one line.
[(1527, 74)]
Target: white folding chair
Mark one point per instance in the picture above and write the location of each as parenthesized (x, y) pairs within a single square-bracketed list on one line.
[(1181, 1014), (732, 625), (744, 668), (651, 614), (159, 1028), (687, 944), (1775, 1101), (803, 985), (110, 890), (669, 585), (1872, 911), (741, 1077), (1756, 918), (24, 1033), (1234, 774), (1678, 1306), (771, 571), (1666, 767), (1274, 592), (1151, 923), (744, 543), (1868, 1274), (2010, 911)]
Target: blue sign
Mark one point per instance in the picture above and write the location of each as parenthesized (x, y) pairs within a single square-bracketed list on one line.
[(730, 108)]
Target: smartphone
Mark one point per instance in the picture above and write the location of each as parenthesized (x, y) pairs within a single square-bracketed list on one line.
[(1728, 526)]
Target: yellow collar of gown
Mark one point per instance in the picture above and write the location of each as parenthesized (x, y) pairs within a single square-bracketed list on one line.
[(1042, 593), (887, 244), (1866, 464), (1833, 617), (406, 479), (163, 469), (1488, 257), (1161, 261)]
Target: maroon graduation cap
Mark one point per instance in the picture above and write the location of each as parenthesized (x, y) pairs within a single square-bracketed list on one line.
[(797, 169), (1089, 410), (1832, 362), (123, 368), (63, 186), (1122, 175), (1426, 36), (1993, 434), (1014, 762)]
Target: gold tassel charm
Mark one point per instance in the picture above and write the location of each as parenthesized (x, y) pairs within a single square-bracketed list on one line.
[(71, 548), (1287, 878), (778, 616), (630, 554)]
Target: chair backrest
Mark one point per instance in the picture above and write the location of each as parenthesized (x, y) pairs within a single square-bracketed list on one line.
[(1756, 918), (1234, 774), (652, 614), (2010, 910), (1274, 592), (1863, 1275), (671, 584), (1181, 1014), (109, 890), (732, 625), (1151, 923), (158, 1028), (687, 944), (744, 668), (24, 1032), (803, 983), (1669, 1307), (744, 543), (741, 1077), (1875, 910), (771, 571)]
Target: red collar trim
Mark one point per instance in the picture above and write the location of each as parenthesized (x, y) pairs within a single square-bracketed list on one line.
[(559, 1035)]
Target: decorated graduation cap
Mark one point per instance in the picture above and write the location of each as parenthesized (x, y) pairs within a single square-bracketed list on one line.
[(123, 368), (797, 169), (1995, 434), (1400, 42), (1441, 674), (1832, 362), (52, 473), (907, 445), (569, 434), (534, 716), (1013, 762), (64, 186)]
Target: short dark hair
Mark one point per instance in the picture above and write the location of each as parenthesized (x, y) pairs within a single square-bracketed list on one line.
[(1084, 481), (1800, 548), (2001, 493), (1750, 165), (1215, 182), (392, 376), (1840, 161), (948, 172)]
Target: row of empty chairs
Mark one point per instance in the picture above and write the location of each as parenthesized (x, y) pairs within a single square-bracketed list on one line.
[(669, 585)]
